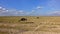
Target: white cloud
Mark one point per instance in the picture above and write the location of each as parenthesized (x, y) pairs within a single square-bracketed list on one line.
[(0, 7), (3, 9), (15, 12), (11, 12), (30, 13), (54, 13), (33, 10), (7, 10), (39, 7), (21, 12)]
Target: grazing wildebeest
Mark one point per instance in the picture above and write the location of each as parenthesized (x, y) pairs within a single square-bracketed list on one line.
[(23, 19)]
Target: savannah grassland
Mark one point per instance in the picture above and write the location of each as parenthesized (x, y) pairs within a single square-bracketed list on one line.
[(33, 25)]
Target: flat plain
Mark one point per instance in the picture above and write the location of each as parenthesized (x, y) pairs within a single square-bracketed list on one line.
[(29, 24)]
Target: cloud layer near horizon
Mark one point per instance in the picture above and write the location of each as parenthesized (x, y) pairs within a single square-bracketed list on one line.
[(15, 12)]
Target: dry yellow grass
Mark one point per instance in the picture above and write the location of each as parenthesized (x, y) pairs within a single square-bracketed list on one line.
[(11, 24)]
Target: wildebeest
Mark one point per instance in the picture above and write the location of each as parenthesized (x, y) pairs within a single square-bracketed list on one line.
[(23, 19)]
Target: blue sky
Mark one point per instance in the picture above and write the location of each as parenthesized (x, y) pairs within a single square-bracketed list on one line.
[(30, 7)]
